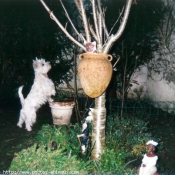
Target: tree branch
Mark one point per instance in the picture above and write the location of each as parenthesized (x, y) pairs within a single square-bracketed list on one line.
[(113, 38), (95, 20), (52, 16), (67, 15), (100, 26), (116, 21), (93, 33), (84, 18), (78, 5), (103, 18)]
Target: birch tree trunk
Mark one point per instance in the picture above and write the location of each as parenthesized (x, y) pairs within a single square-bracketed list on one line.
[(104, 39), (98, 127)]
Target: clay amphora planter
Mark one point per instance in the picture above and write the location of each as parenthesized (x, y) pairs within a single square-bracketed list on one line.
[(95, 72)]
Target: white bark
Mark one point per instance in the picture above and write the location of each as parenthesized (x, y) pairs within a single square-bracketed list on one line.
[(67, 15), (52, 16), (98, 135), (84, 18), (99, 24), (102, 18), (95, 21)]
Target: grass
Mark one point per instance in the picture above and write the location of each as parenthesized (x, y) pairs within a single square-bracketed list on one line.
[(14, 139)]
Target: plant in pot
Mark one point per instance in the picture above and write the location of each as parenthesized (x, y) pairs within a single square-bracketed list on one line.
[(61, 108), (62, 73)]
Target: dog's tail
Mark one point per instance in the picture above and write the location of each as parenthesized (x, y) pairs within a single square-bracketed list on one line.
[(21, 95)]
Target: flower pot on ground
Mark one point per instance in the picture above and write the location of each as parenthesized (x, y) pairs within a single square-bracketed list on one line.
[(62, 111)]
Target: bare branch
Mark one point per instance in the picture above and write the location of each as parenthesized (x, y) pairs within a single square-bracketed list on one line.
[(78, 5), (52, 16), (67, 15), (104, 26), (95, 20), (93, 33), (100, 26), (114, 25), (84, 18), (113, 38), (103, 18), (118, 59), (99, 6), (116, 21)]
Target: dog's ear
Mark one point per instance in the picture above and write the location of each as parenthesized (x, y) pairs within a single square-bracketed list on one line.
[(43, 60), (35, 65)]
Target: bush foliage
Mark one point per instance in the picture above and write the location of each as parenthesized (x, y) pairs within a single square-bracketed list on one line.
[(128, 134), (64, 137), (57, 149)]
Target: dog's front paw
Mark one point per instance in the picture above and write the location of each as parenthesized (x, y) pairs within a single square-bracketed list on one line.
[(19, 125), (28, 128), (50, 100)]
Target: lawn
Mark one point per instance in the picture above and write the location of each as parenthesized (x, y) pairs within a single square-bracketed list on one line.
[(13, 138)]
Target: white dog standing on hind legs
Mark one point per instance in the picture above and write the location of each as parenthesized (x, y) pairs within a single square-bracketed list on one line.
[(42, 90)]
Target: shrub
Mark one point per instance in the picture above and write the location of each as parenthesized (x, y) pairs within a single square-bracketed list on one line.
[(57, 149), (63, 137), (112, 162), (46, 160), (46, 156), (128, 134)]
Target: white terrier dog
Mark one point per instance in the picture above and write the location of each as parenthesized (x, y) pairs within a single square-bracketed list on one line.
[(40, 93)]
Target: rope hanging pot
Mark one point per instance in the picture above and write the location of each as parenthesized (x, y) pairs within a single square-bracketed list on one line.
[(95, 72)]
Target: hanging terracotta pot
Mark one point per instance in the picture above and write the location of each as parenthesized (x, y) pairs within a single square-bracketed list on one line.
[(95, 71)]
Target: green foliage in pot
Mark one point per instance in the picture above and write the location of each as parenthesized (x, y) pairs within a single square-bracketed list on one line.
[(62, 96), (58, 97)]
